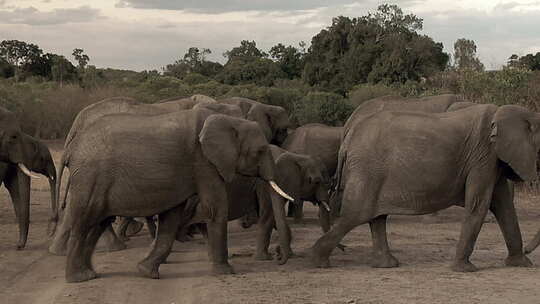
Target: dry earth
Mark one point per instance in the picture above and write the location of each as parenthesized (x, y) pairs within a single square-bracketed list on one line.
[(424, 246)]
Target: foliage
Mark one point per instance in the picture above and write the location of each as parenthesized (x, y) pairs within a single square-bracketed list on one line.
[(322, 107), (529, 61), (465, 55), (380, 47)]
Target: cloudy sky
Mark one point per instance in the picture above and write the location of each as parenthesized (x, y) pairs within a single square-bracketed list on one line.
[(148, 34)]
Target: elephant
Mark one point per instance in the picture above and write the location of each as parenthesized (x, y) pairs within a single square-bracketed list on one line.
[(20, 155), (300, 176), (179, 155), (273, 120), (318, 141), (533, 244), (416, 163), (86, 118)]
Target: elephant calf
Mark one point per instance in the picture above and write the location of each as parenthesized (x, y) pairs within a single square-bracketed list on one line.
[(417, 163)]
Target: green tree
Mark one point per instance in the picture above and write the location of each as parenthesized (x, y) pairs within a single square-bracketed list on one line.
[(194, 61), (465, 55), (62, 70), (383, 46), (81, 58), (248, 64), (18, 53), (289, 59), (529, 61)]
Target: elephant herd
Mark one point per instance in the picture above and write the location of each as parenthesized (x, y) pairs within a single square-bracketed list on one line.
[(197, 163)]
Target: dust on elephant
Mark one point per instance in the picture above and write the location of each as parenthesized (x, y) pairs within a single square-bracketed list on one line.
[(91, 115), (318, 141), (417, 163), (179, 155), (273, 120), (19, 155)]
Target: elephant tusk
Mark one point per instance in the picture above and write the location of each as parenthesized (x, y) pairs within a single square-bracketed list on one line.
[(26, 171), (325, 205), (279, 191)]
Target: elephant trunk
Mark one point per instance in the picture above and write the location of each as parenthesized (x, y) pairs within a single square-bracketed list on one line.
[(22, 210), (55, 200), (278, 206)]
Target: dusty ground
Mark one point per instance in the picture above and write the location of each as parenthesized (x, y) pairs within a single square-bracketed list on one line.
[(424, 247)]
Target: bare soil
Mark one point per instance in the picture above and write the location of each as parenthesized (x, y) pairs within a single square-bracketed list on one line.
[(424, 245)]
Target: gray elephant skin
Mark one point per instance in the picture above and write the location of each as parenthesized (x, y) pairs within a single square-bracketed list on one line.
[(121, 105), (319, 141), (300, 176), (417, 163), (19, 155), (179, 155)]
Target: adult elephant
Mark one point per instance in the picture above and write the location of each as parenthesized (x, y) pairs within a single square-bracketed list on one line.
[(180, 154), (318, 141), (300, 176), (86, 118), (417, 163), (19, 155), (428, 104), (273, 120)]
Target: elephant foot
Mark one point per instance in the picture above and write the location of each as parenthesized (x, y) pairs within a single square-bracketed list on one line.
[(283, 255), (263, 256), (384, 261), (222, 268), (58, 250), (82, 276), (148, 270), (317, 260), (464, 266), (518, 261), (20, 246), (133, 228)]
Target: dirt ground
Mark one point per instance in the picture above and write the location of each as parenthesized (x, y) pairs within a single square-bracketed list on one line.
[(424, 246)]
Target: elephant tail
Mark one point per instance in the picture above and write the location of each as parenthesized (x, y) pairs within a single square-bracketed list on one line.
[(335, 198), (54, 219)]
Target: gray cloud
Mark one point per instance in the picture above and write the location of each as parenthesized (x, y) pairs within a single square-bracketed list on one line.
[(32, 16), (221, 6)]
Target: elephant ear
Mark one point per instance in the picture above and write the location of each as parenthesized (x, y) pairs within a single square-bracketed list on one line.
[(219, 143), (513, 132), (258, 114)]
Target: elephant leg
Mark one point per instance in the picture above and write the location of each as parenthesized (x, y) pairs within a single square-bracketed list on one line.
[(112, 241), (61, 237), (151, 226), (265, 225), (84, 217), (162, 244), (290, 209), (122, 228), (92, 239), (18, 185), (478, 194), (352, 214), (502, 206), (381, 252), (298, 206), (533, 244)]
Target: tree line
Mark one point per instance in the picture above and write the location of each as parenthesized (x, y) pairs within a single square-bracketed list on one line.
[(348, 62)]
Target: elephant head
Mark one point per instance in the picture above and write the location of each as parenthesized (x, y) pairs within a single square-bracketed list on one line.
[(273, 120), (303, 177), (515, 132), (236, 146)]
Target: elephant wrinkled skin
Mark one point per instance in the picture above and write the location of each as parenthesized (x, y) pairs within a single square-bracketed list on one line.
[(179, 155), (418, 163)]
